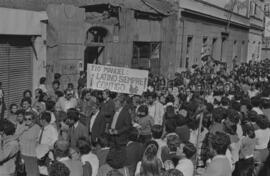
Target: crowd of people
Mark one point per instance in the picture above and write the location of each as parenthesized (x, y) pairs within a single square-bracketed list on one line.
[(201, 122)]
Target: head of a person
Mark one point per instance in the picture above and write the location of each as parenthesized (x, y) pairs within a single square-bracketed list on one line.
[(263, 122), (248, 130), (38, 93), (57, 76), (114, 172), (151, 97), (29, 118), (173, 142), (13, 108), (70, 86), (69, 94), (86, 94), (157, 131), (45, 97), (150, 163), (170, 99), (50, 105), (189, 149), (219, 143), (20, 115), (45, 118), (72, 116), (225, 102), (42, 80), (82, 74), (256, 102), (26, 103), (219, 114), (56, 84), (61, 149), (119, 102), (59, 94), (142, 111), (8, 128), (116, 157), (27, 93), (58, 169), (83, 145), (173, 172), (106, 94)]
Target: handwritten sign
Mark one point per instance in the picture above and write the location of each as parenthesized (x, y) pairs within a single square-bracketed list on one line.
[(117, 79)]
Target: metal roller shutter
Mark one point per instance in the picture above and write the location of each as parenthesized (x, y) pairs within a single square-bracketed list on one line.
[(18, 68), (4, 52)]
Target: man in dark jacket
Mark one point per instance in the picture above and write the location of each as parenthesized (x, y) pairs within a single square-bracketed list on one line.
[(120, 124)]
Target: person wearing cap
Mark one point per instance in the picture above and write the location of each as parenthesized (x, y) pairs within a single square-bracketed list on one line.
[(66, 102), (61, 154)]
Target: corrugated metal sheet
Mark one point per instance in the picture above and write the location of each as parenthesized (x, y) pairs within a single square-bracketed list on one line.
[(154, 6)]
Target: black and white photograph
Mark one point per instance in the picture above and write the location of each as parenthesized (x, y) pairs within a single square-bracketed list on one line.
[(134, 87)]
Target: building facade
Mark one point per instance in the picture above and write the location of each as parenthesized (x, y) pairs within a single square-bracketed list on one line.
[(22, 51), (229, 31)]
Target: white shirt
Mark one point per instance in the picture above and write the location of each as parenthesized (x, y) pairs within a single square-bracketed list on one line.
[(185, 166), (262, 138), (115, 117), (49, 135), (252, 93), (93, 160), (258, 110), (43, 88), (92, 121)]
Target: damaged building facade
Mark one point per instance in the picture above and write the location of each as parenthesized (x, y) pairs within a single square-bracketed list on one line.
[(158, 35)]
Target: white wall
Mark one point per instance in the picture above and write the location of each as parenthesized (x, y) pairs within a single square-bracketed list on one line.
[(39, 59)]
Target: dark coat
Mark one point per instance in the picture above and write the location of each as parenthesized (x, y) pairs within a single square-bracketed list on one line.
[(76, 133), (98, 128), (123, 125)]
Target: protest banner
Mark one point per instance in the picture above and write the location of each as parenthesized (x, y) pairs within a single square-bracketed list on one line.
[(117, 79)]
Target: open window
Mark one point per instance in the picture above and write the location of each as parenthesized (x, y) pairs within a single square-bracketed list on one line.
[(146, 55), (94, 45)]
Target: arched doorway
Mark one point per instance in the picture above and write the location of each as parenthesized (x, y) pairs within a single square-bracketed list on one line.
[(95, 45)]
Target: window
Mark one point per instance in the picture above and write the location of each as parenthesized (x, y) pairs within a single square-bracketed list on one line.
[(205, 49), (146, 55), (222, 48), (267, 10), (214, 47), (188, 53)]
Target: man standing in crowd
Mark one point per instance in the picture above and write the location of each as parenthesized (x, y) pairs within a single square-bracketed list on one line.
[(76, 128), (61, 154), (67, 102), (107, 108), (120, 124), (156, 109), (9, 149)]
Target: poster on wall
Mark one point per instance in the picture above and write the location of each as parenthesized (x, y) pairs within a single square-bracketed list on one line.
[(237, 6), (117, 79)]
